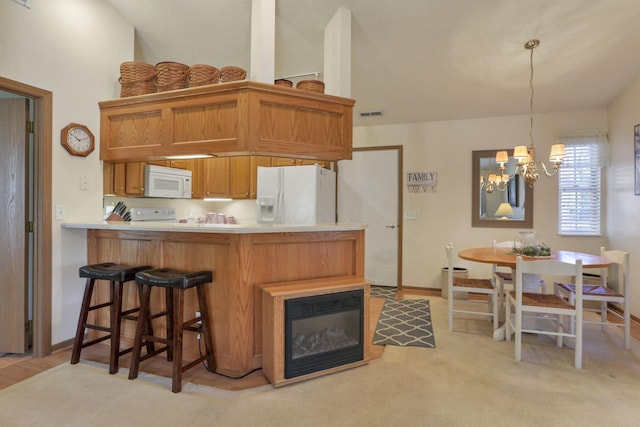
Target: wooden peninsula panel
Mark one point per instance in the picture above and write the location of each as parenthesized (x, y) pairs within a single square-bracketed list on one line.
[(240, 262), (229, 119)]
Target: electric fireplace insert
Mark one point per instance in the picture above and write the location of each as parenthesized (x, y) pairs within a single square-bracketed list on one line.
[(323, 331)]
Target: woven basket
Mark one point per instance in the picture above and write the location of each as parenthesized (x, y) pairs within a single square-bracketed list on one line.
[(171, 76), (136, 78), (311, 85), (202, 74), (230, 73), (283, 82)]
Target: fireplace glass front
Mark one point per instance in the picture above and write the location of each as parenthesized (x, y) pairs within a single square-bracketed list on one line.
[(322, 332)]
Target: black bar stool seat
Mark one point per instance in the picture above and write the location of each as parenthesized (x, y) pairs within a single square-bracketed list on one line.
[(117, 275), (175, 283)]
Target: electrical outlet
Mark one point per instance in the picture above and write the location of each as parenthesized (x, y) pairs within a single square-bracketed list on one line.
[(198, 315), (84, 183)]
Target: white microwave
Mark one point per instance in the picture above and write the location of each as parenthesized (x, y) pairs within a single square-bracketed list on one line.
[(170, 183)]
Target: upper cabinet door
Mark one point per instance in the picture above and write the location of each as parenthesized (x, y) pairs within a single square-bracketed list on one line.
[(216, 177)]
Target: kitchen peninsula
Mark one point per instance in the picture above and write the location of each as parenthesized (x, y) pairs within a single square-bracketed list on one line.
[(242, 258)]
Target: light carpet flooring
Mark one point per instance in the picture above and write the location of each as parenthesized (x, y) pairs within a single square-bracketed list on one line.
[(468, 380)]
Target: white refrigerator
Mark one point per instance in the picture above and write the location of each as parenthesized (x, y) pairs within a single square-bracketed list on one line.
[(303, 195)]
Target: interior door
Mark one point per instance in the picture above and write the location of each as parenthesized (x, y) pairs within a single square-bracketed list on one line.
[(369, 192), (13, 195)]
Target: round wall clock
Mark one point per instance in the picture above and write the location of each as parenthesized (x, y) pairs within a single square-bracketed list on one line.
[(77, 139)]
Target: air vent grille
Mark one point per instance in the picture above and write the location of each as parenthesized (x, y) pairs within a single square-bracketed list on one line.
[(371, 114)]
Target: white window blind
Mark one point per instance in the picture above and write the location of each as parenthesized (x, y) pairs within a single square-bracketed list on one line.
[(579, 186)]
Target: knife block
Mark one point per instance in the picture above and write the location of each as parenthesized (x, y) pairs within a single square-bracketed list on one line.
[(114, 217)]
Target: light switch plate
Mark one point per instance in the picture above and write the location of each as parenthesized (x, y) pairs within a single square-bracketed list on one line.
[(410, 214), (61, 212)]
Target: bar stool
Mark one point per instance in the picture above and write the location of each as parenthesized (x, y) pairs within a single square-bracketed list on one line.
[(174, 282), (117, 275)]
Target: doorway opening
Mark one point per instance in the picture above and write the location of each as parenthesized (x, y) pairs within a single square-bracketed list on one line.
[(37, 214)]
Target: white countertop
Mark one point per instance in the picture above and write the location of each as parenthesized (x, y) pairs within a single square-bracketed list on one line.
[(211, 228)]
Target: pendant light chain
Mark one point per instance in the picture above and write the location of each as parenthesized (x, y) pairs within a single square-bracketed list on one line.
[(526, 164), (531, 100)]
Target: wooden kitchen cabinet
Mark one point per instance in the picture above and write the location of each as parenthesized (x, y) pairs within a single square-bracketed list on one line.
[(244, 175), (256, 161), (196, 166), (228, 119), (240, 175), (134, 178), (107, 178), (216, 177), (113, 179), (119, 178)]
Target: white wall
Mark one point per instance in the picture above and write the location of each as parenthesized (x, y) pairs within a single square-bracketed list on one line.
[(445, 216), (622, 225), (72, 48)]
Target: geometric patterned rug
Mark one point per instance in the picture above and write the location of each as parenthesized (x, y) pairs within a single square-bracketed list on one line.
[(405, 322), (384, 292)]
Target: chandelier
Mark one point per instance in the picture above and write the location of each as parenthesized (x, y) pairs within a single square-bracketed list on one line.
[(526, 164)]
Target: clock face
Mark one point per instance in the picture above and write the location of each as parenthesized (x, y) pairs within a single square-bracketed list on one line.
[(77, 139)]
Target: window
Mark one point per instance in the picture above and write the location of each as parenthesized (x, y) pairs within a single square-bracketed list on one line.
[(579, 186)]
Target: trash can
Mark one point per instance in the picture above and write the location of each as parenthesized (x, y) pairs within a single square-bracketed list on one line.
[(444, 282)]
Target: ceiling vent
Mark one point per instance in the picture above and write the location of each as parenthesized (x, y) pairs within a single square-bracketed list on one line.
[(371, 114)]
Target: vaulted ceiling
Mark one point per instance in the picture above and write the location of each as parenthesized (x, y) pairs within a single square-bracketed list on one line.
[(420, 60)]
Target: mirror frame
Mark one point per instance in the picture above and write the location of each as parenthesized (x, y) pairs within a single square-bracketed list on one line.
[(527, 222)]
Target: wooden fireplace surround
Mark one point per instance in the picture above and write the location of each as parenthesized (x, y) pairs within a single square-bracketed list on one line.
[(273, 297)]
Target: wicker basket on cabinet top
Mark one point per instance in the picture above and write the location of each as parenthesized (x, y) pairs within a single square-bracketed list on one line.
[(136, 78), (202, 74), (231, 73), (171, 76), (311, 85)]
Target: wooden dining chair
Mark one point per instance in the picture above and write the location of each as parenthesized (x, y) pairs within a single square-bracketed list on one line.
[(529, 312), (606, 294), (464, 284)]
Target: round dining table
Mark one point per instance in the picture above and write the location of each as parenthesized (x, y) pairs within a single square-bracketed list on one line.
[(505, 257)]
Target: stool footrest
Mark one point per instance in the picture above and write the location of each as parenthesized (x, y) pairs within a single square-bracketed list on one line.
[(194, 363), (98, 328), (98, 306), (160, 314), (95, 341), (153, 353), (130, 311)]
